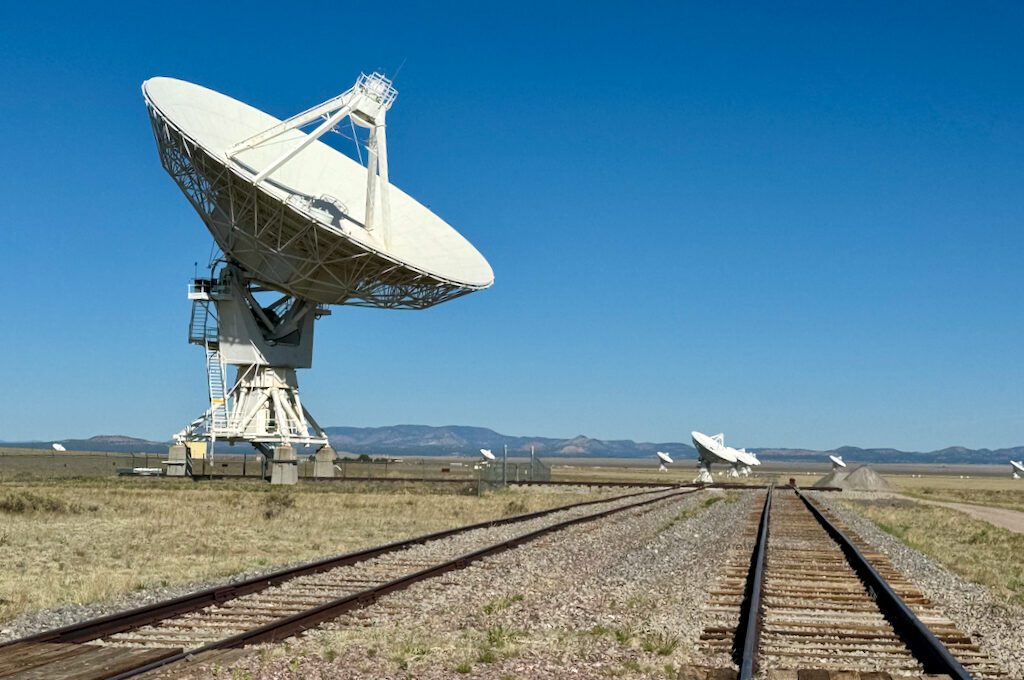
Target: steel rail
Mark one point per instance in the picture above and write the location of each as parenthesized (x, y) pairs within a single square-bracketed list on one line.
[(142, 616), (685, 485), (302, 621), (751, 613), (934, 656)]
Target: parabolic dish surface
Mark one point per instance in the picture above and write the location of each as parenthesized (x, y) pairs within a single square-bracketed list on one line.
[(710, 450), (301, 229), (745, 457)]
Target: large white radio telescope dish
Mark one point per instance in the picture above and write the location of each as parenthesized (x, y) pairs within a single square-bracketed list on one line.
[(664, 457), (1018, 468), (305, 228), (58, 447), (299, 221), (486, 453), (837, 462)]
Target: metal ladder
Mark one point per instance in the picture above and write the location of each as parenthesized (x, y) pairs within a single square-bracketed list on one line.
[(202, 330)]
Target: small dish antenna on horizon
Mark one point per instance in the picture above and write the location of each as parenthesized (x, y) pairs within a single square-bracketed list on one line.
[(663, 460), (837, 462), (744, 461), (1018, 468), (711, 450), (486, 453), (58, 447)]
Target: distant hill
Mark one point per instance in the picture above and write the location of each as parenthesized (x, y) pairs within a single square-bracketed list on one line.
[(426, 440), (113, 443), (459, 439), (953, 455)]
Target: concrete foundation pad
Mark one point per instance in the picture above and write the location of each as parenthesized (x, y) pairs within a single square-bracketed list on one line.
[(284, 466), (323, 463), (178, 462)]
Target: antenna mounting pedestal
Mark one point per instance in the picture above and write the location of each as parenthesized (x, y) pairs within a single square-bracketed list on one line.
[(265, 345)]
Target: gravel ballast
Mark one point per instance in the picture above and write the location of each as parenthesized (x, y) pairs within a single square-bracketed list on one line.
[(997, 627), (65, 615), (620, 595)]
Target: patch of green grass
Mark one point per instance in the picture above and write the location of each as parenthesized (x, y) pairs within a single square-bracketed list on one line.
[(499, 603), (899, 531), (487, 655), (660, 643), (464, 667), (501, 635), (623, 634), (408, 651)]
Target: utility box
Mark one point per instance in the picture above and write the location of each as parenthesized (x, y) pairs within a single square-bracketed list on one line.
[(197, 450)]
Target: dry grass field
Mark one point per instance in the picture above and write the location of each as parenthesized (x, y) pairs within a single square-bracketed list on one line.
[(84, 540), (73, 532), (1001, 492), (976, 550)]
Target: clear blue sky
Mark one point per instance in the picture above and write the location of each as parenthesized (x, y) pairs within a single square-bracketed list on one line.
[(800, 225)]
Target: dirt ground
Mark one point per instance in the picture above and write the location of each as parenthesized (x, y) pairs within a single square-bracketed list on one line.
[(1011, 520)]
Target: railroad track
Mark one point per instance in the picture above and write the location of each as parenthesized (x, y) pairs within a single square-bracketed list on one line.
[(213, 624), (812, 601)]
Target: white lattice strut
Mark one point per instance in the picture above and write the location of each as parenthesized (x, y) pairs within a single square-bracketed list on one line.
[(365, 104)]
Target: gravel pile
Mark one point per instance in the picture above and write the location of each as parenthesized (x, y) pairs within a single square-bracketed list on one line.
[(997, 627), (619, 596), (862, 478)]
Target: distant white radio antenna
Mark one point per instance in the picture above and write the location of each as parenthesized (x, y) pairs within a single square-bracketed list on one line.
[(744, 461), (663, 460), (711, 450), (837, 462), (1017, 467), (58, 447), (486, 453)]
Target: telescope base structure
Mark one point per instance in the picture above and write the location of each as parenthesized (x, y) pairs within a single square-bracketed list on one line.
[(704, 475), (1016, 476), (265, 410), (265, 344)]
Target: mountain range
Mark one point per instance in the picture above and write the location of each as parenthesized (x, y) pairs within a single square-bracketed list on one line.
[(425, 440)]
